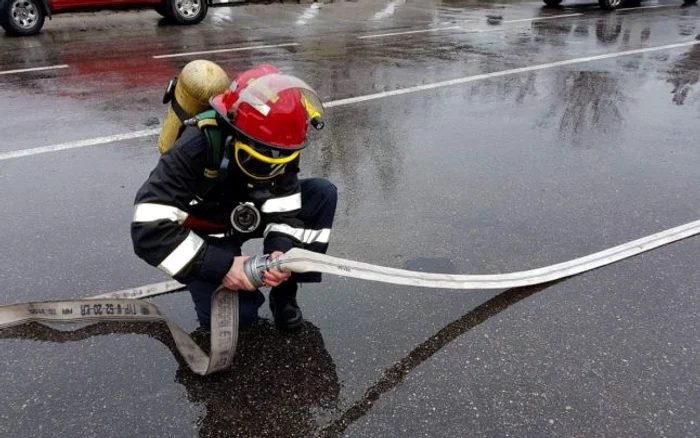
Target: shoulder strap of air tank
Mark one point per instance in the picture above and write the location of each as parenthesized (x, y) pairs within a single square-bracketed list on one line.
[(208, 124)]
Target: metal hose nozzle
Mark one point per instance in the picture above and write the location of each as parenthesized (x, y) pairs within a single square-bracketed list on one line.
[(256, 266)]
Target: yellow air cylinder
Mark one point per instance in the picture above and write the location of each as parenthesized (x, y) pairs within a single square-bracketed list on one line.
[(197, 82)]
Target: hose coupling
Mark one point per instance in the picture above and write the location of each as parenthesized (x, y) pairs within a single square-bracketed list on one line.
[(256, 266)]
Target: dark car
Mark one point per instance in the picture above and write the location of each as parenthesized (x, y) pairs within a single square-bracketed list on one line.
[(26, 17)]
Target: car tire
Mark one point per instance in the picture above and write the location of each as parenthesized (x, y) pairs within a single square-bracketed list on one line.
[(552, 2), (22, 17), (186, 11), (689, 2), (610, 5)]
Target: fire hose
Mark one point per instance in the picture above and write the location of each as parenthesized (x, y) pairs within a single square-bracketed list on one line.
[(129, 304)]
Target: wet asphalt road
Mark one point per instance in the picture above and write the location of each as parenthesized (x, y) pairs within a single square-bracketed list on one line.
[(500, 174)]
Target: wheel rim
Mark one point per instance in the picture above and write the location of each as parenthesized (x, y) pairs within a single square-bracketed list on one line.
[(24, 14), (615, 3), (189, 8)]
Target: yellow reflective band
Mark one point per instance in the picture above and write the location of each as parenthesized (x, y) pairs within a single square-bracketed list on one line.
[(149, 212), (283, 204), (181, 256), (206, 122), (301, 234), (264, 158)]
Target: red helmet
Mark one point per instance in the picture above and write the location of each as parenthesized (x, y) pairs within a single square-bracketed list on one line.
[(271, 109)]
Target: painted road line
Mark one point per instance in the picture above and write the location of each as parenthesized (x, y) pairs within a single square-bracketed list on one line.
[(233, 49), (77, 144), (26, 70), (365, 98), (646, 7), (309, 14), (492, 29), (497, 74), (408, 32), (551, 17)]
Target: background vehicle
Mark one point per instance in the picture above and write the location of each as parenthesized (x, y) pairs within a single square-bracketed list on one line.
[(613, 4), (26, 17)]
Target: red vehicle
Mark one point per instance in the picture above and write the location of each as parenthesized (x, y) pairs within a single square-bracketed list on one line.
[(26, 17)]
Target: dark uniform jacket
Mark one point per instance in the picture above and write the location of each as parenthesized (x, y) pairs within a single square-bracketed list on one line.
[(181, 233)]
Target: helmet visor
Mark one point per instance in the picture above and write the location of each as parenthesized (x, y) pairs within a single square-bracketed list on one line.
[(259, 162), (263, 92)]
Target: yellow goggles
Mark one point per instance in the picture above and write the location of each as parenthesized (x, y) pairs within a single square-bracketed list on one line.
[(258, 164)]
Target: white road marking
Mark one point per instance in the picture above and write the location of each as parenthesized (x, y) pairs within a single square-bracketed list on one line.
[(77, 144), (492, 29), (551, 17), (365, 98), (233, 49), (646, 7), (496, 74), (388, 10), (310, 13), (25, 70), (381, 35)]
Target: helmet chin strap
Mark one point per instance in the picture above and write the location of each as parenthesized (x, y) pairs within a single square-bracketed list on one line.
[(278, 164)]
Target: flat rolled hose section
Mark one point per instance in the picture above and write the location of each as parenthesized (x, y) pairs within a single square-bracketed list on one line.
[(297, 260), (128, 305)]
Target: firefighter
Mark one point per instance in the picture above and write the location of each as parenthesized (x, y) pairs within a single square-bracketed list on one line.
[(231, 176)]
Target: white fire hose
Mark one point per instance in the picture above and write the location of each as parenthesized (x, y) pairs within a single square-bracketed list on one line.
[(128, 305)]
